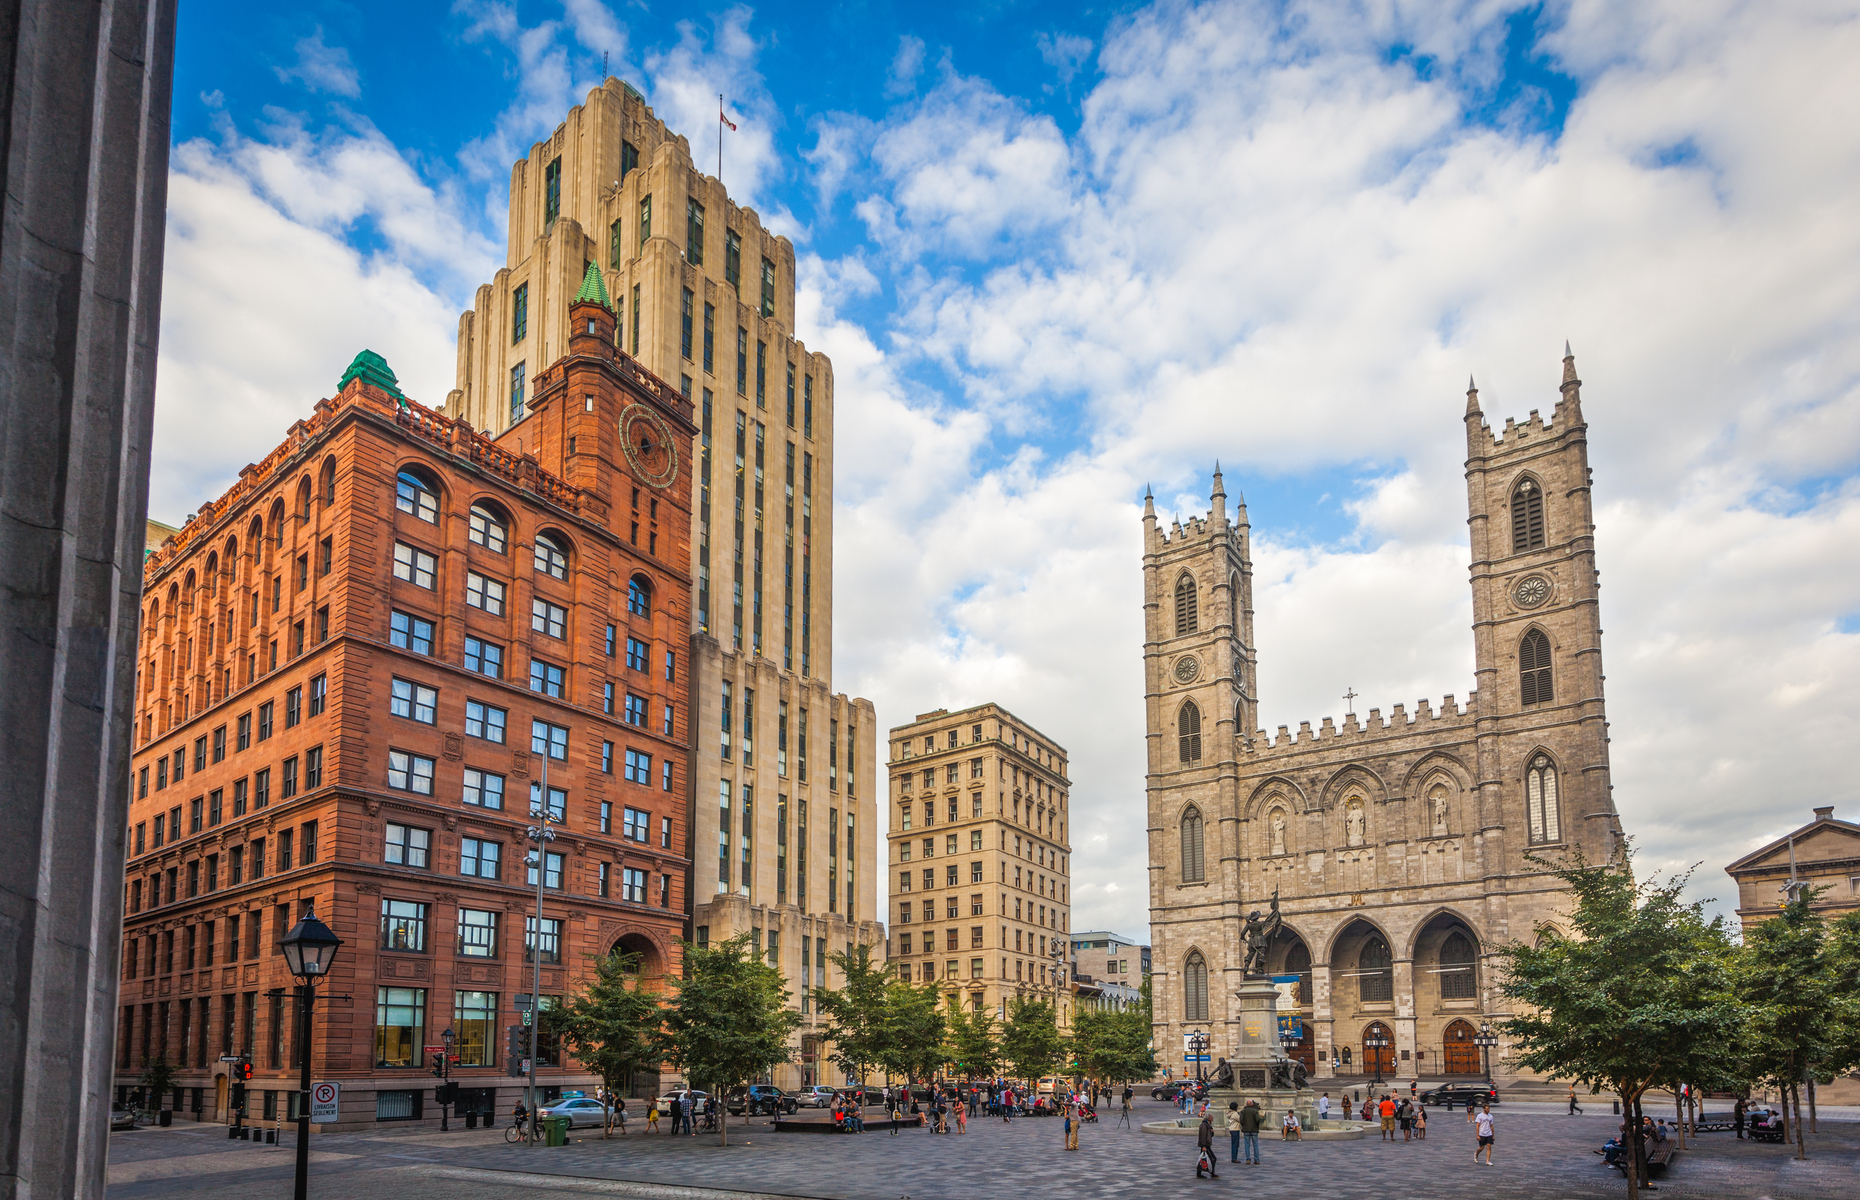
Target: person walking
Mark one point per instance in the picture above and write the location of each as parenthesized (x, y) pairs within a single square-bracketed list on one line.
[(1387, 1111), (1204, 1142), (1420, 1122), (1404, 1116), (1068, 1127), (676, 1113), (962, 1117), (1250, 1120), (1483, 1124), (652, 1116), (1574, 1108)]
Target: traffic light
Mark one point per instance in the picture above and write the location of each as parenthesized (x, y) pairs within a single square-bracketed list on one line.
[(439, 1065), (513, 1051), (245, 1070)]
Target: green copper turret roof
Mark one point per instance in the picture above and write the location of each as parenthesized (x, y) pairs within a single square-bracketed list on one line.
[(372, 368), (593, 288)]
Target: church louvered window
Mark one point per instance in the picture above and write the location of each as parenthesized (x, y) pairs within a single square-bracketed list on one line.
[(1193, 864), (1185, 618), (1541, 804), (1188, 731), (1375, 971), (1458, 979), (1195, 988), (1527, 517), (1534, 669)]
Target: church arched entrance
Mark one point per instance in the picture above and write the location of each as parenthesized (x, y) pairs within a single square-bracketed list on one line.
[(1290, 965), (1459, 1056), (1379, 1058)]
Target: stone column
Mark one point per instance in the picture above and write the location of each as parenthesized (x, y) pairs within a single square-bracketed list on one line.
[(85, 91)]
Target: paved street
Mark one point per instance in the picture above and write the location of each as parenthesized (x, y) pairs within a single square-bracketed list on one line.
[(1541, 1153)]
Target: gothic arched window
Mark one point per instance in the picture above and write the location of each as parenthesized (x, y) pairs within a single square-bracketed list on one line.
[(1298, 962), (1375, 971), (1195, 988), (1534, 668), (1541, 805), (1233, 603), (1188, 732), (1194, 866), (1527, 517), (1459, 980), (1185, 618)]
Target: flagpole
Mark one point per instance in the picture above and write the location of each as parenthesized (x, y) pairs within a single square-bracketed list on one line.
[(719, 137)]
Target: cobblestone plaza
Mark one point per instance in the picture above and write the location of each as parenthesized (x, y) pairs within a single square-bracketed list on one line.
[(1541, 1153)]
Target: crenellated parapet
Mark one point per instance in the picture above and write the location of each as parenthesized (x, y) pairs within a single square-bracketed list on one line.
[(1400, 723)]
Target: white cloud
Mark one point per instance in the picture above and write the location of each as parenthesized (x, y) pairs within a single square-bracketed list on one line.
[(1274, 245), (323, 68), (1064, 52)]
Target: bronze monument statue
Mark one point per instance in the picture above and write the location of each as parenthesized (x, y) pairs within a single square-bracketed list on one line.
[(1259, 934)]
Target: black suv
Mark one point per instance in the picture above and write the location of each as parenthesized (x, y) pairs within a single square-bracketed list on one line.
[(1197, 1090), (761, 1099), (1457, 1095)]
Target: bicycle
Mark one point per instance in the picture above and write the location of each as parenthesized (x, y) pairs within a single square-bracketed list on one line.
[(519, 1131)]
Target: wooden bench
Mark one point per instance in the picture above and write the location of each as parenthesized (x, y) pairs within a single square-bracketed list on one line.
[(1659, 1156)]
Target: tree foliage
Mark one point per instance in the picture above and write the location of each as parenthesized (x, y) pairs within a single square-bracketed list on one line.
[(1640, 994), (1030, 1041), (159, 1079), (727, 1021), (608, 1022), (974, 1047), (856, 1013), (1115, 1046), (914, 1028)]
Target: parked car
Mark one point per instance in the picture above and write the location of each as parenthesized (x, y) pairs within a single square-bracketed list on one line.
[(685, 1096), (817, 1096), (1169, 1091), (866, 1097), (760, 1098), (121, 1118), (1455, 1095), (580, 1110)]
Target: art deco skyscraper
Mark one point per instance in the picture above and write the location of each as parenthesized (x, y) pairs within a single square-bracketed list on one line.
[(784, 769)]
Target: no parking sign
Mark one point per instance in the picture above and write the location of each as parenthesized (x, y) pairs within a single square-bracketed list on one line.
[(323, 1103)]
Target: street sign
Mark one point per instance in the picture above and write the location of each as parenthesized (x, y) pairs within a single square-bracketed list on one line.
[(232, 1058), (1194, 1058), (434, 1049), (323, 1103)]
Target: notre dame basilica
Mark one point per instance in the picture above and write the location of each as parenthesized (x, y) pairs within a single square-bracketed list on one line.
[(1400, 847)]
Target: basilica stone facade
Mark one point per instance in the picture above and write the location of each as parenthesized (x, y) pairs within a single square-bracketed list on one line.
[(1403, 851)]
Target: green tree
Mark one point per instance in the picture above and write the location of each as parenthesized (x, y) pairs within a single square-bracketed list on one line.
[(856, 1013), (1031, 1041), (158, 1079), (1634, 998), (727, 1020), (608, 1023), (973, 1046), (1790, 974), (914, 1029), (1120, 1051)]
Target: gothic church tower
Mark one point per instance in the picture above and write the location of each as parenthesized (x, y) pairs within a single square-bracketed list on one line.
[(1404, 851)]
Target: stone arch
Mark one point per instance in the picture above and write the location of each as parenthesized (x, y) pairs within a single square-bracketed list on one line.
[(1187, 617), (1544, 797), (1193, 824), (1527, 520), (1280, 786), (1343, 937), (652, 950), (1375, 791), (1195, 1006), (1188, 732)]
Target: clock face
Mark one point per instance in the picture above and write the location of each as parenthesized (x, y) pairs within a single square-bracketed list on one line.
[(1186, 668), (1531, 591), (650, 450)]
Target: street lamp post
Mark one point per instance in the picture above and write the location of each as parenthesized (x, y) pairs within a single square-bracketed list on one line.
[(542, 835), (1198, 1045), (1377, 1043), (309, 949), (1485, 1039), (445, 1082)]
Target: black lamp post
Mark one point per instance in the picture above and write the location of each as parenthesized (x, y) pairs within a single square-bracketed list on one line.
[(445, 1082), (1198, 1045), (309, 949), (1485, 1040), (1376, 1043)]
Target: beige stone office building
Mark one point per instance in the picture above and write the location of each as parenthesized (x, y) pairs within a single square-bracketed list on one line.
[(1397, 846), (1823, 854), (980, 861), (784, 780)]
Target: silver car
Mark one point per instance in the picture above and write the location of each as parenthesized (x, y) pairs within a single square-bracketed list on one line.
[(580, 1110), (818, 1096), (121, 1118)]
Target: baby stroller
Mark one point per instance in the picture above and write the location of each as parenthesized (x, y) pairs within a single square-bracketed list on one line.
[(1088, 1115)]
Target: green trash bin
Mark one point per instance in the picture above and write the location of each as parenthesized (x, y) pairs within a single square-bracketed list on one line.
[(555, 1131)]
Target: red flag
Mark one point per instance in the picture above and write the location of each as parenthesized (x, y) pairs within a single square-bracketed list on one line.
[(724, 119)]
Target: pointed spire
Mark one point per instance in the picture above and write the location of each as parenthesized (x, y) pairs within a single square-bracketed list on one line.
[(1149, 504), (1472, 397), (1572, 386), (593, 288), (1219, 505)]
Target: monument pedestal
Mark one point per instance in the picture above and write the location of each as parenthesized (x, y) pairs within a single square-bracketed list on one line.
[(1260, 1069)]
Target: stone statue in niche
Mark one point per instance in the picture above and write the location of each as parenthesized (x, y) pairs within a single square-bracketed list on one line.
[(1277, 825), (1437, 801), (1354, 822)]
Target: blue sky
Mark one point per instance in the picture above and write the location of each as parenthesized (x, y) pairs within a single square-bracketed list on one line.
[(1059, 252)]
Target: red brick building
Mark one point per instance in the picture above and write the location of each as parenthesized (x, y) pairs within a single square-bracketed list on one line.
[(354, 669)]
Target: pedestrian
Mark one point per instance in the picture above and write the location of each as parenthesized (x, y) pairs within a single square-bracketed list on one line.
[(677, 1115), (1324, 1107), (1387, 1111), (1068, 1127), (1250, 1119), (1290, 1130), (962, 1117), (1404, 1118), (1420, 1122), (1574, 1108), (1738, 1113), (1483, 1124), (1233, 1131), (652, 1116), (1204, 1142)]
